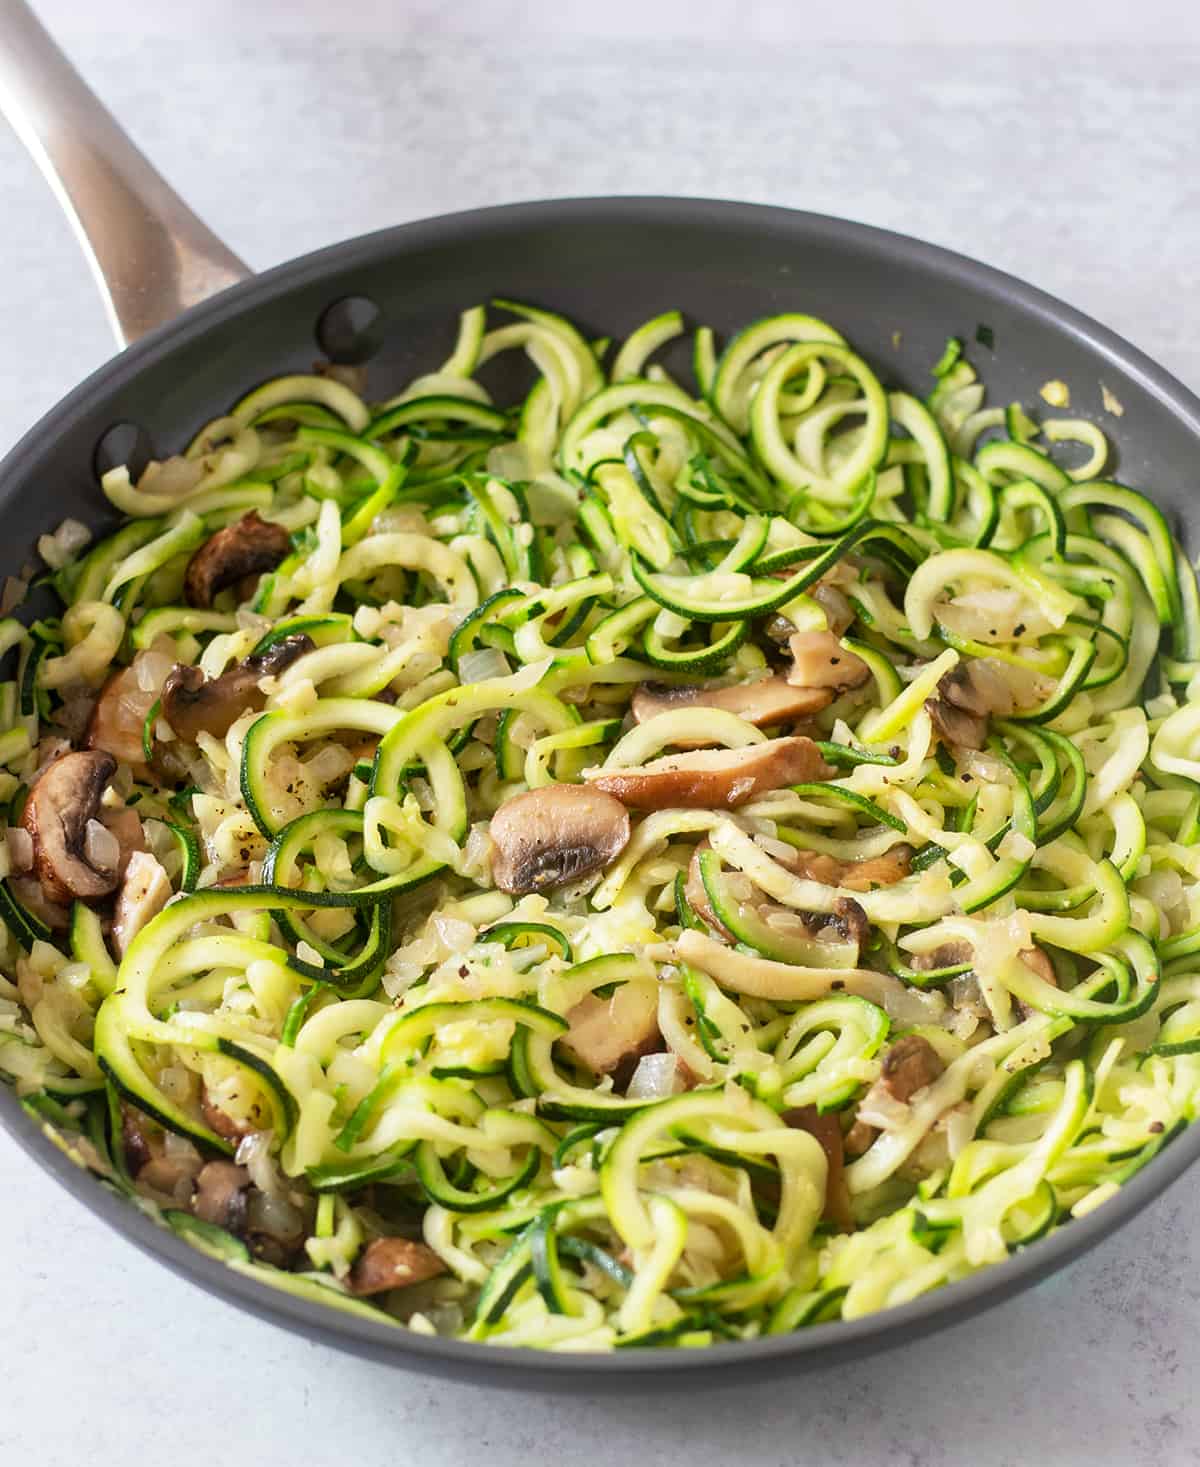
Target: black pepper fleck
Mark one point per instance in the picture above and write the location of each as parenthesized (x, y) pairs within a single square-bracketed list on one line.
[(1157, 1128)]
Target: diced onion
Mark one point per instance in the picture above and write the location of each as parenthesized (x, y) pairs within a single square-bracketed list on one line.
[(61, 547), (656, 1076), (476, 667), (20, 848), (101, 848)]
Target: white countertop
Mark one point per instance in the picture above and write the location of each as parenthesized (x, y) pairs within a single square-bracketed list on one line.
[(291, 125)]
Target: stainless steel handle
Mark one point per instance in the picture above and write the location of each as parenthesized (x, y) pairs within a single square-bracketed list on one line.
[(151, 256)]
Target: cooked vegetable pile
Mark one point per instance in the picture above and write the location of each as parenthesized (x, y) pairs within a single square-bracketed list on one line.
[(633, 868)]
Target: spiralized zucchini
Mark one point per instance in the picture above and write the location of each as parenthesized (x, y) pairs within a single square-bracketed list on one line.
[(398, 965)]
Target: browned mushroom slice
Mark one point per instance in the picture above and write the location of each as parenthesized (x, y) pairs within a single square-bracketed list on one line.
[(57, 814), (955, 725), (1035, 958), (136, 1137), (713, 778), (820, 661), (126, 826), (847, 919), (219, 1120), (948, 955), (966, 696), (221, 1195), (193, 704), (168, 1173), (909, 1065), (547, 837), (697, 895), (977, 688), (1039, 962), (246, 548), (393, 1263), (866, 875), (609, 1035), (275, 1226), (839, 614), (770, 700), (827, 1131)]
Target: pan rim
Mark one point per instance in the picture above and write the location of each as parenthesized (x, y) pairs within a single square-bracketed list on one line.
[(504, 1365)]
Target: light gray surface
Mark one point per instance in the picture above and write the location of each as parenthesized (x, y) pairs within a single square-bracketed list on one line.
[(289, 126)]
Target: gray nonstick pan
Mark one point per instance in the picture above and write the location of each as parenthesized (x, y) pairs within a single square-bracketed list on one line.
[(197, 328)]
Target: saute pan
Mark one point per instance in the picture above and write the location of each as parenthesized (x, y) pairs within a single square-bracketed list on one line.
[(198, 330)]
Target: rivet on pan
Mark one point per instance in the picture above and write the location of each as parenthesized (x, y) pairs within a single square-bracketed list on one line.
[(350, 330), (124, 443)]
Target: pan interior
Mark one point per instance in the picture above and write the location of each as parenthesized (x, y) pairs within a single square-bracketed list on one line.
[(607, 265)]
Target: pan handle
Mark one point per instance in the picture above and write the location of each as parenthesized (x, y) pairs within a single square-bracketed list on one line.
[(151, 256)]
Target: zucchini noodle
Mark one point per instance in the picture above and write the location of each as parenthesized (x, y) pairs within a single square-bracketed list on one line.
[(631, 868)]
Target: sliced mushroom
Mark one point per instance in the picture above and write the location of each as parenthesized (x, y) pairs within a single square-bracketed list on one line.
[(827, 1131), (547, 837), (770, 700), (713, 778), (144, 892), (165, 1167), (1035, 959), (246, 548), (220, 1121), (697, 894), (136, 1142), (966, 696), (193, 704), (948, 955), (275, 1226), (125, 824), (977, 688), (866, 875), (170, 1175), (909, 1065), (847, 919), (57, 812), (839, 614), (819, 661), (222, 1191), (393, 1263), (848, 922), (609, 1035), (955, 726)]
